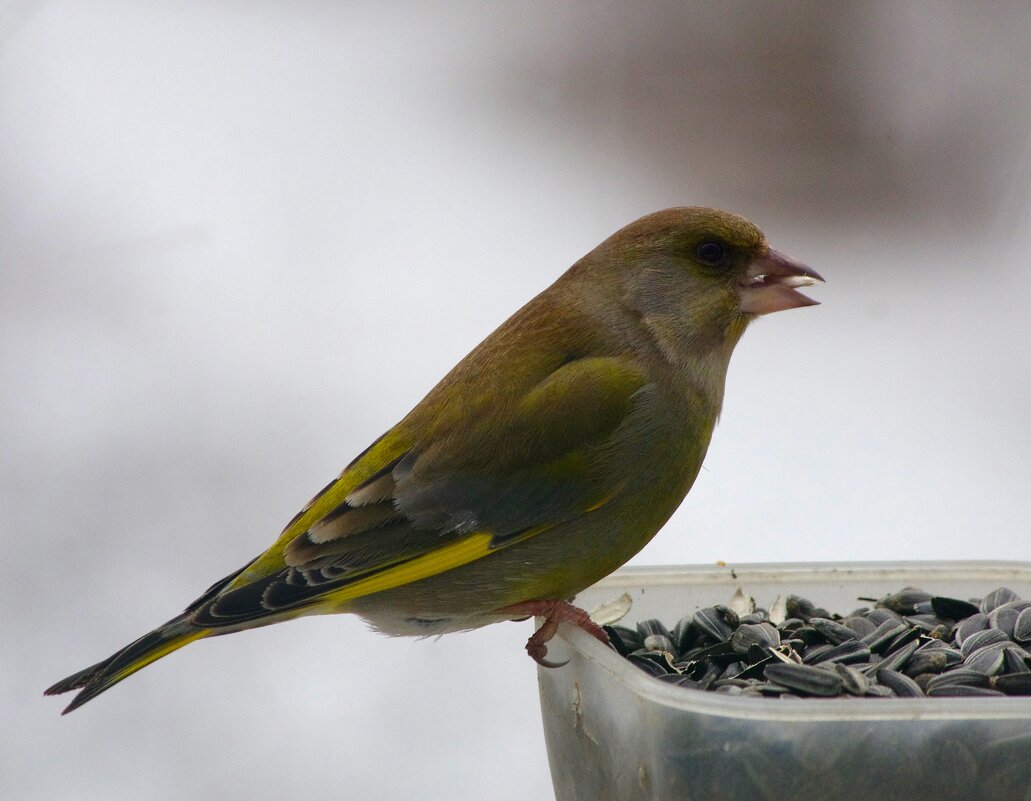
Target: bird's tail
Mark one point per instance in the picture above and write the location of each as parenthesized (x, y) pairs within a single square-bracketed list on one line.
[(92, 681)]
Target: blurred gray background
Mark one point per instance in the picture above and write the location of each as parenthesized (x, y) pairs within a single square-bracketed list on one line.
[(240, 240)]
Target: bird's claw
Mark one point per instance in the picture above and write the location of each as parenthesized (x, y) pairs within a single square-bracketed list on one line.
[(539, 658), (554, 613)]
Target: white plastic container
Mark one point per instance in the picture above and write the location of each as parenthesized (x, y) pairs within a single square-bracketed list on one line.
[(614, 732)]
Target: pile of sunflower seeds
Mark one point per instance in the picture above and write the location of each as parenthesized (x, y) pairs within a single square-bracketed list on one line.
[(910, 644)]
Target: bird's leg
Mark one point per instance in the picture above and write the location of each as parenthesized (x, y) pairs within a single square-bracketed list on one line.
[(554, 613)]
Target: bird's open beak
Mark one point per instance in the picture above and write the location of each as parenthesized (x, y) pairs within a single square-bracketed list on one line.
[(771, 283)]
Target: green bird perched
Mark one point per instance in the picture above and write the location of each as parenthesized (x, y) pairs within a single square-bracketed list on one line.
[(543, 461)]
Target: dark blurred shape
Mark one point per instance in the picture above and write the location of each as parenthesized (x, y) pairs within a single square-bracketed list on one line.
[(900, 113)]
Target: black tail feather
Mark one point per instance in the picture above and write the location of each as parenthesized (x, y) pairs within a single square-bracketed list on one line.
[(97, 678)]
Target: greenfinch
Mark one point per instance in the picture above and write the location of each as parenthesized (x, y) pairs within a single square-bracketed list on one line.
[(543, 461)]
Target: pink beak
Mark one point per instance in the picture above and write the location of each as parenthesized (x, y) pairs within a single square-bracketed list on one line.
[(771, 283)]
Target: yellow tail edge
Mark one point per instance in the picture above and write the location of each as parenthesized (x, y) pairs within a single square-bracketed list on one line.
[(104, 675)]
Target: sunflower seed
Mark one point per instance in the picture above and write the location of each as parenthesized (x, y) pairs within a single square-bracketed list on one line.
[(928, 623), (832, 632), (848, 652), (685, 634), (987, 660), (902, 601), (814, 652), (899, 683), (886, 632), (1014, 661), (1004, 618), (961, 691), (712, 623), (800, 607), (958, 676), (754, 634), (659, 642), (952, 608), (971, 625), (806, 679), (982, 639), (898, 660), (809, 635), (933, 661), (879, 615), (996, 598), (711, 676), (652, 662), (902, 640), (758, 616), (1022, 628), (624, 640), (1013, 683), (860, 625), (852, 681), (652, 626)]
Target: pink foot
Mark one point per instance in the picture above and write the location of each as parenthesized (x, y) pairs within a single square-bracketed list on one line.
[(554, 613)]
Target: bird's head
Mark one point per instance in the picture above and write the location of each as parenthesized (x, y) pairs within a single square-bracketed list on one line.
[(697, 276)]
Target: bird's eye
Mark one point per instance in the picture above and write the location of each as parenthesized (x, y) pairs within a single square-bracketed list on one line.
[(710, 252)]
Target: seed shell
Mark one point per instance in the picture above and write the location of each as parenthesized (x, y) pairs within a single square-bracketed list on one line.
[(885, 633), (1013, 683), (953, 608), (903, 601), (998, 597), (1022, 627), (750, 635), (987, 660), (806, 679), (852, 681), (982, 639), (832, 632), (959, 676), (899, 683), (961, 691), (899, 659), (976, 622), (711, 622), (848, 652), (1004, 618), (652, 626)]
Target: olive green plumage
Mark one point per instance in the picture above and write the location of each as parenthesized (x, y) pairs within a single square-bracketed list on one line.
[(544, 460)]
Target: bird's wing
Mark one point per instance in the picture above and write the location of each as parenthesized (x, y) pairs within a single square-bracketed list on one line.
[(413, 506)]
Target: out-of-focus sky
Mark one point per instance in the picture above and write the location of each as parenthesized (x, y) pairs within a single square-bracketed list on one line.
[(240, 240)]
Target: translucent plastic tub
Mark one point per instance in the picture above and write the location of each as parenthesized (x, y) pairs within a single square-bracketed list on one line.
[(613, 732)]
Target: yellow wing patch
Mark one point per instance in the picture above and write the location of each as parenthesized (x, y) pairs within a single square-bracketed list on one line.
[(391, 446), (458, 553)]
